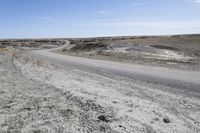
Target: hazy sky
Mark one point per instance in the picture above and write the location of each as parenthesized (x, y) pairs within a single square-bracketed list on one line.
[(83, 18)]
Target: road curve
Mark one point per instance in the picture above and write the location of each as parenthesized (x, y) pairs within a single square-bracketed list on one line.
[(176, 78)]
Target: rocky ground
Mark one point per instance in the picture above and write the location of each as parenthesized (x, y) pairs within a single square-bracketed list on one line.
[(31, 106), (38, 96)]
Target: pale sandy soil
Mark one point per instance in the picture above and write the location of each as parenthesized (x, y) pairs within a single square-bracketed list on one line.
[(33, 106)]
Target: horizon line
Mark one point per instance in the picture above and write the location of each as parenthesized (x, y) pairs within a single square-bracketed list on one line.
[(106, 36)]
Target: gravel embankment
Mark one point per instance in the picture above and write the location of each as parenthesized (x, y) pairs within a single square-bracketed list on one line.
[(27, 105)]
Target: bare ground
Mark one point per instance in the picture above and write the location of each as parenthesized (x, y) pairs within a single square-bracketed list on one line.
[(181, 51), (40, 96), (27, 105)]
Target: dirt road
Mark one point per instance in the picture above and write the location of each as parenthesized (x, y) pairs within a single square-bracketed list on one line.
[(182, 79)]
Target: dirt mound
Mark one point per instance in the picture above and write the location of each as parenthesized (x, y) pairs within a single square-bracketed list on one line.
[(164, 47), (88, 46)]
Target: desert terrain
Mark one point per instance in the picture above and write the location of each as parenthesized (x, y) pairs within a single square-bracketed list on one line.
[(139, 84)]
